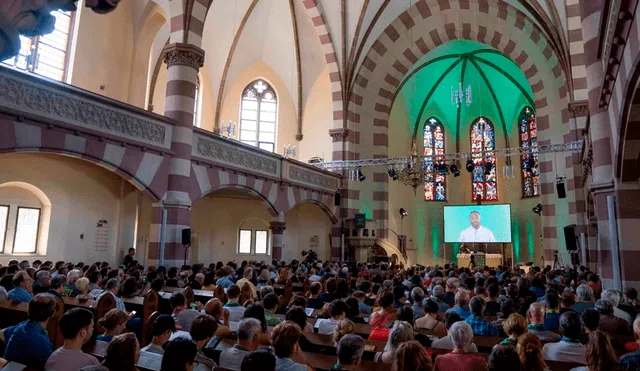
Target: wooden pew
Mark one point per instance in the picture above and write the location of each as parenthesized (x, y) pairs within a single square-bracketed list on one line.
[(147, 329), (53, 328), (200, 295), (245, 294)]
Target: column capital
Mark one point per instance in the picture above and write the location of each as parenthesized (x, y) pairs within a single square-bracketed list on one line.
[(338, 135), (183, 54), (277, 227)]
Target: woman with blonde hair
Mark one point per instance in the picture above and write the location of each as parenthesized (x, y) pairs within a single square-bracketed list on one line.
[(530, 353), (412, 356), (514, 326), (114, 323), (263, 278), (400, 333), (82, 285), (283, 276), (344, 327)]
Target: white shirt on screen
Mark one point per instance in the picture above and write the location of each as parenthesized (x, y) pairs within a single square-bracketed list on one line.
[(481, 234)]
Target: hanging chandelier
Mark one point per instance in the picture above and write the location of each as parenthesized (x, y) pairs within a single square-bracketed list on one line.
[(414, 172), (458, 95)]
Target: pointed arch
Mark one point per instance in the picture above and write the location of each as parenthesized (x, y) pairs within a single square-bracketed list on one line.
[(484, 180)]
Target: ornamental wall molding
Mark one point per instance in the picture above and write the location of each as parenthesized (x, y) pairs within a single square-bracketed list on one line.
[(38, 100), (183, 54), (229, 154), (33, 18), (579, 108), (301, 175), (339, 135)]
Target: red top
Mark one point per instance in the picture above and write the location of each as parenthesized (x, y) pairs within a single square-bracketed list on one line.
[(459, 361)]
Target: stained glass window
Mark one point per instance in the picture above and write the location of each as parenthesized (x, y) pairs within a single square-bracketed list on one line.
[(529, 139), (258, 115), (484, 180), (46, 55), (434, 182)]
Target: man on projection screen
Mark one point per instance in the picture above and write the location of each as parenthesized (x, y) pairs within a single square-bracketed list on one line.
[(476, 232)]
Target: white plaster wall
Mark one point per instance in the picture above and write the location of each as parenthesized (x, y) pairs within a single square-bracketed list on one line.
[(303, 223), (317, 121), (81, 194)]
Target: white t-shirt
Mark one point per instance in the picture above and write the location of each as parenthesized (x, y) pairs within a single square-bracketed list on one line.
[(481, 234), (565, 352), (326, 326)]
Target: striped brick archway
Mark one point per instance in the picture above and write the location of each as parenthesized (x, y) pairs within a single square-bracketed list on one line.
[(146, 170), (421, 28)]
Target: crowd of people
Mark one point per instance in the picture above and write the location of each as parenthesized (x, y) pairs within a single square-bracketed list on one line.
[(426, 316)]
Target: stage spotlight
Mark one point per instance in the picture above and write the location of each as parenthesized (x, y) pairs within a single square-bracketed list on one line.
[(361, 177), (392, 174), (537, 209), (470, 165), (454, 169), (487, 168), (403, 212), (442, 168)]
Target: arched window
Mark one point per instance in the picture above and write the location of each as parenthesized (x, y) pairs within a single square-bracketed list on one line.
[(434, 183), (529, 139), (258, 116), (47, 55), (484, 181)]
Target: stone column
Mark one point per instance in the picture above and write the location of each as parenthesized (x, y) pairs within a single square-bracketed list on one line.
[(277, 229), (183, 62)]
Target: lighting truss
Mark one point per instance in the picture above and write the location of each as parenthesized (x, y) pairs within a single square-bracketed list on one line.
[(403, 161)]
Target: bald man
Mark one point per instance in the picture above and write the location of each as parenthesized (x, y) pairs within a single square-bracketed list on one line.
[(476, 232), (536, 314), (215, 309)]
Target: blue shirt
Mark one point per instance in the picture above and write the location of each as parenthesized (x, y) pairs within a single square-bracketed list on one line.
[(442, 306), (364, 308), (481, 327), (19, 294), (418, 311), (552, 321), (105, 338), (464, 312), (225, 282), (630, 361), (28, 343)]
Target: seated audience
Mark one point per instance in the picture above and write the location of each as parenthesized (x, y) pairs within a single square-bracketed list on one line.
[(263, 278), (504, 358), (438, 297), (314, 291), (451, 288), (22, 288), (529, 350), (344, 327), (398, 297), (353, 312), (337, 312), (222, 315), (163, 327), (387, 314), (270, 303), (600, 353), (609, 323), (631, 361), (111, 288), (236, 310), (28, 342), (285, 345), (514, 327), (180, 355), (446, 342), (76, 326), (261, 359), (58, 284), (330, 294), (226, 280), (350, 350), (536, 315), (42, 282), (590, 320), (202, 331), (507, 307), (412, 356), (552, 317), (256, 310), (614, 296), (585, 298), (492, 307), (569, 348), (417, 298), (113, 323), (123, 353), (183, 315), (430, 320), (364, 308), (73, 276), (478, 324), (459, 359), (400, 332), (462, 304), (247, 276), (248, 340), (567, 301)]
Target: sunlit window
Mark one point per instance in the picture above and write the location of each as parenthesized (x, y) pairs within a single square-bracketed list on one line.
[(244, 244), (4, 220), (484, 180), (27, 224), (258, 116)]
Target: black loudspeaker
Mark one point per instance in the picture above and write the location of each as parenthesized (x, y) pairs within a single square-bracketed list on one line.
[(186, 236), (561, 191), (336, 199), (570, 237)]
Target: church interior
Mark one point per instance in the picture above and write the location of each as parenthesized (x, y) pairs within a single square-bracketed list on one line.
[(208, 130)]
